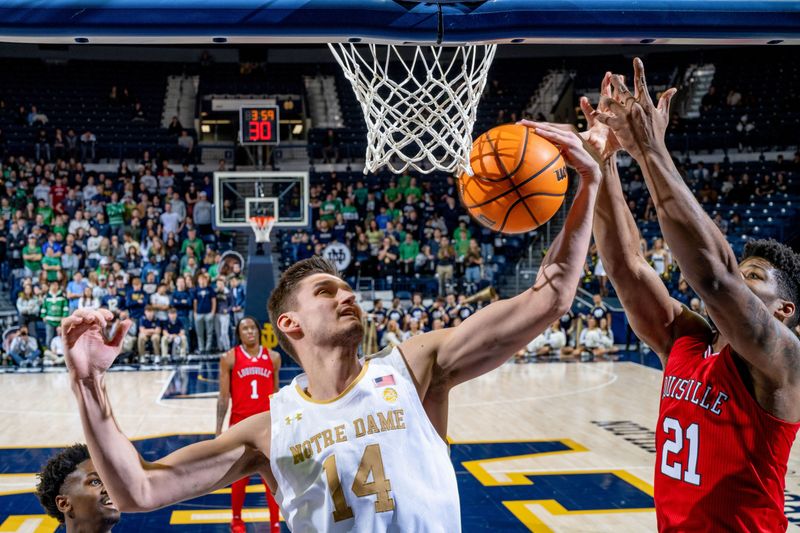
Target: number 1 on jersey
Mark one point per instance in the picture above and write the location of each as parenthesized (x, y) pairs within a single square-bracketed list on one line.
[(254, 394), (371, 461)]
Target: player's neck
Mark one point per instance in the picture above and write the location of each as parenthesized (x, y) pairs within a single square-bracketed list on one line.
[(331, 371), (252, 350), (719, 343), (95, 526)]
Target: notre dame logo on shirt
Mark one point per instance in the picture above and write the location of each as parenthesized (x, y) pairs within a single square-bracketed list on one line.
[(268, 337)]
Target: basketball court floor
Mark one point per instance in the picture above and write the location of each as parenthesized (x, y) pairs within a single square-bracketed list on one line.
[(561, 447)]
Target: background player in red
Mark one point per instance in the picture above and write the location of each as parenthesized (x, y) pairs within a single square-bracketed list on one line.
[(248, 375), (730, 398)]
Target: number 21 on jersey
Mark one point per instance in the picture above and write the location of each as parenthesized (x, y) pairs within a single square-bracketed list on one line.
[(677, 439), (380, 486)]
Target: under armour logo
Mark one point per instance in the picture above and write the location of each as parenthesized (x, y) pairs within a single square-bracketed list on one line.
[(297, 416)]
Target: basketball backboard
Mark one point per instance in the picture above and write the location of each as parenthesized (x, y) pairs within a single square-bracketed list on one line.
[(240, 195)]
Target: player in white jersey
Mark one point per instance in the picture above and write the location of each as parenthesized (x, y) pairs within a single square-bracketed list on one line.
[(352, 444)]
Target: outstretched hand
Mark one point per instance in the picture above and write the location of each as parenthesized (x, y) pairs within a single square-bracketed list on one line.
[(575, 150), (636, 122), (597, 134), (88, 351)]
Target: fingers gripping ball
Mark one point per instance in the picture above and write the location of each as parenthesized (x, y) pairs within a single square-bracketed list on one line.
[(519, 183)]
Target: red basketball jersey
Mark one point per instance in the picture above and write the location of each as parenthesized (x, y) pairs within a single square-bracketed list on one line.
[(252, 381), (721, 458)]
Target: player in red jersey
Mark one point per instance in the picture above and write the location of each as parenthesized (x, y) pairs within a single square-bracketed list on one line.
[(730, 400), (248, 375)]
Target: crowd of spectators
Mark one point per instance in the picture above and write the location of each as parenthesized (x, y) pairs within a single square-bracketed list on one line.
[(721, 189), (407, 235), (138, 242)]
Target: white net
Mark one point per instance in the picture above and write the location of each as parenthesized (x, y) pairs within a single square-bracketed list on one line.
[(419, 102), (261, 227)]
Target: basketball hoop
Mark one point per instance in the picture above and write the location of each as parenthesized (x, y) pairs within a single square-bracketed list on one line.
[(262, 225), (420, 109)]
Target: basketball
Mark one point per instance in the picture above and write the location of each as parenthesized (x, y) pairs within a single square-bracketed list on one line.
[(519, 180)]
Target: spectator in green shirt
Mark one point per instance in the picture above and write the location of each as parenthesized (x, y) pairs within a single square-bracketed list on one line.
[(46, 211), (32, 257), (55, 308), (409, 249), (361, 193), (60, 226), (329, 208), (115, 211), (392, 194), (461, 239), (394, 214), (413, 190), (193, 241), (51, 264), (403, 181), (349, 211)]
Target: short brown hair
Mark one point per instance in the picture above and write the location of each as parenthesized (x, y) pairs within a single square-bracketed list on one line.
[(283, 299)]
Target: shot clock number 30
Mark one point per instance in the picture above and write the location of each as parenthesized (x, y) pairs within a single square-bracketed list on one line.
[(259, 125)]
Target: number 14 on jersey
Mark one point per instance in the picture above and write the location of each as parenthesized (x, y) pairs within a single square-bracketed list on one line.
[(380, 486)]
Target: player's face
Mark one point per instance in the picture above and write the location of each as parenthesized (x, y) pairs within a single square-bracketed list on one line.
[(328, 312), (88, 500), (248, 332), (761, 278)]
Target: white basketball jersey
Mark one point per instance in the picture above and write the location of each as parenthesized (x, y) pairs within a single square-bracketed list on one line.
[(369, 460)]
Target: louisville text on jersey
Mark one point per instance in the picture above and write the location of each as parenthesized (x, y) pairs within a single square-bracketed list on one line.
[(696, 392)]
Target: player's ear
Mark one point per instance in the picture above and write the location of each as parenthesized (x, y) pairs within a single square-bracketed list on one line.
[(63, 504), (288, 324), (786, 310)]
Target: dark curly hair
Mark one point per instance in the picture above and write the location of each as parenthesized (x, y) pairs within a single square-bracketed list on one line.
[(787, 268), (52, 477)]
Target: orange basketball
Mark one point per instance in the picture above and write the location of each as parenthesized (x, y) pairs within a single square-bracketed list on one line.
[(519, 183)]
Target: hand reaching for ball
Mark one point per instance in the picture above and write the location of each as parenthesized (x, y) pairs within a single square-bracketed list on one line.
[(88, 351), (575, 150)]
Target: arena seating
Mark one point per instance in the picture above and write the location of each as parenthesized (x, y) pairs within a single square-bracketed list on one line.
[(76, 96), (765, 204)]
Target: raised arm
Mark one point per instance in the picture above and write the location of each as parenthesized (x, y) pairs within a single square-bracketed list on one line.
[(654, 316), (492, 335), (225, 365), (705, 257), (136, 485)]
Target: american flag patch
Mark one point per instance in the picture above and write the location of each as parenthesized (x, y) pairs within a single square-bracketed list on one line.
[(384, 381)]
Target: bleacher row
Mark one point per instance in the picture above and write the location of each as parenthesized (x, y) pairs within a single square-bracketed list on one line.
[(75, 95)]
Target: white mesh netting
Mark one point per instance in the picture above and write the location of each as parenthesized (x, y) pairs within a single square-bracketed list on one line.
[(261, 227), (419, 102)]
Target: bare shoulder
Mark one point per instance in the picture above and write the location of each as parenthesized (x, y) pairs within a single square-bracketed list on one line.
[(228, 357), (275, 357), (420, 354), (426, 345)]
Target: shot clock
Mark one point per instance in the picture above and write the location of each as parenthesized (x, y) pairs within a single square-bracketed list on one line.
[(259, 125)]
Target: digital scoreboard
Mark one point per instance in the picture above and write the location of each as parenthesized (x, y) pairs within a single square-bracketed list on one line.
[(259, 125)]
